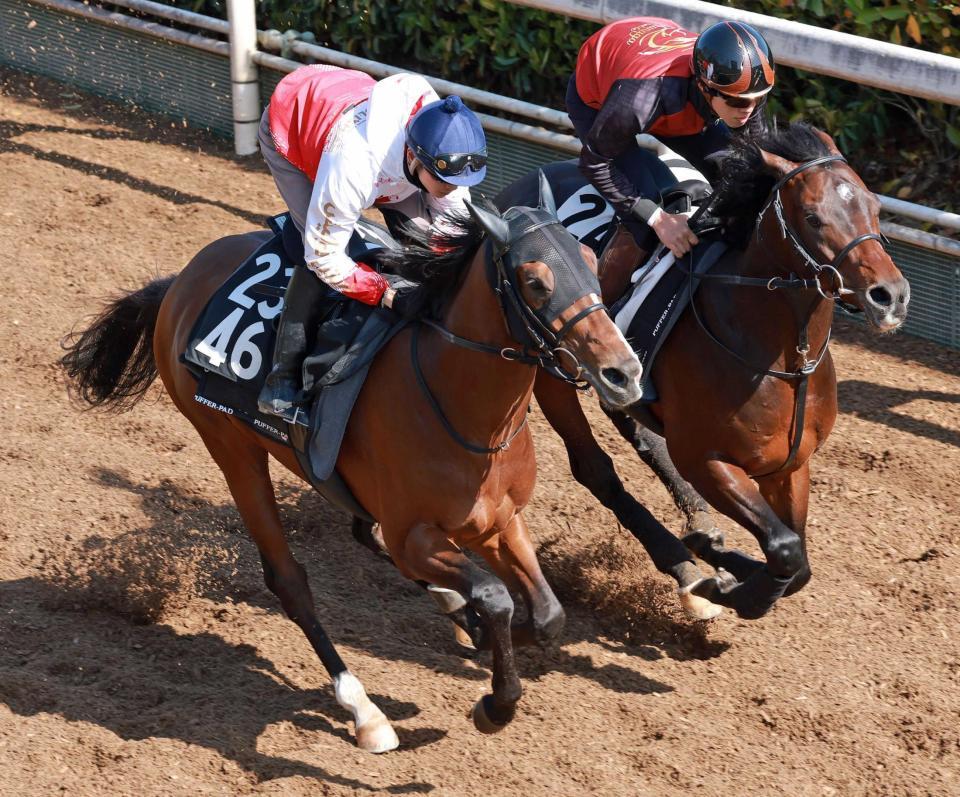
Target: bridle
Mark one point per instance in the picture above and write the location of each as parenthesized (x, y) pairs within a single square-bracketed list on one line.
[(790, 283), (538, 343), (818, 268)]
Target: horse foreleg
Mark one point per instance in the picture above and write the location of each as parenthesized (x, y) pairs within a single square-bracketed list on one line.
[(729, 490), (789, 496), (593, 468), (652, 449), (512, 557), (248, 477), (428, 554)]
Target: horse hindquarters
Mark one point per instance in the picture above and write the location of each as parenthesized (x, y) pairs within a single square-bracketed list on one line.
[(242, 456)]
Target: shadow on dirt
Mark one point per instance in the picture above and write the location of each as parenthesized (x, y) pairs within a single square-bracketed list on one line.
[(142, 681), (202, 689), (876, 403)]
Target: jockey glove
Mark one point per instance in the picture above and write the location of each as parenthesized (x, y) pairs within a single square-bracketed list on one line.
[(405, 297)]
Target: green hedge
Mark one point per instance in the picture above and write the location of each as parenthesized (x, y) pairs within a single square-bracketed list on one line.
[(525, 53)]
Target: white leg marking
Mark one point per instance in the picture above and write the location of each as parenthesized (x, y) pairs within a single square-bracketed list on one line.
[(373, 729), (697, 608), (446, 599)]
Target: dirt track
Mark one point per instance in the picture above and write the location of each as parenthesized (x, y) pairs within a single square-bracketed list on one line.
[(141, 654)]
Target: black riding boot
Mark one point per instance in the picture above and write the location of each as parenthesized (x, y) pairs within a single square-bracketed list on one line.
[(302, 308)]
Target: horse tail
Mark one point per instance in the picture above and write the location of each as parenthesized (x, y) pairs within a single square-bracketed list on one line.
[(110, 364)]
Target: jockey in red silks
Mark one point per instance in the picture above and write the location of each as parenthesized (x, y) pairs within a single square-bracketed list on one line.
[(337, 143), (649, 75)]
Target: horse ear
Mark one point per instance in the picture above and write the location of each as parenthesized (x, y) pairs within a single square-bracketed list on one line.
[(494, 226), (547, 202), (831, 144), (775, 164)]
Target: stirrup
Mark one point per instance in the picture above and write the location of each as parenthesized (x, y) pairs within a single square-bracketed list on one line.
[(279, 400), (289, 414)]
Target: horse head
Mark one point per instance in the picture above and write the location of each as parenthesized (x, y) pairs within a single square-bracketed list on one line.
[(550, 296), (833, 221)]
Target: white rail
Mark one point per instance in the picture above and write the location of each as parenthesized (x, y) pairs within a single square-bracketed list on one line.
[(154, 29), (825, 52), (538, 135)]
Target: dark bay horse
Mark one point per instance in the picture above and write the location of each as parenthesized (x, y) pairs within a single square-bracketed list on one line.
[(437, 448), (746, 384)]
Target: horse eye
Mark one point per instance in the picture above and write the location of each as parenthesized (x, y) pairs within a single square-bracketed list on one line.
[(814, 221), (536, 284)]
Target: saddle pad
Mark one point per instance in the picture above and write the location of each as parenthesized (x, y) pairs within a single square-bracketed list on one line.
[(648, 313), (233, 336), (231, 348)]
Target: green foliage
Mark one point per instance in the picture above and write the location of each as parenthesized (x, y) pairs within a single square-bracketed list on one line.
[(910, 146), (529, 54)]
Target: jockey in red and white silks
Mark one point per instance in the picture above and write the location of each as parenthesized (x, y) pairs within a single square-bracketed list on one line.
[(346, 133), (338, 143)]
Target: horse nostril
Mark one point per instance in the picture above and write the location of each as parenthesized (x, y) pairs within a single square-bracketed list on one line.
[(615, 377), (880, 296)]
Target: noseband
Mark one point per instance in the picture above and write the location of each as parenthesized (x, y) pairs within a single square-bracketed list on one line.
[(807, 366), (818, 268)]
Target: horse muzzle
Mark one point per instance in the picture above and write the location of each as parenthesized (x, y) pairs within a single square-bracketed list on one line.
[(617, 383), (885, 304)]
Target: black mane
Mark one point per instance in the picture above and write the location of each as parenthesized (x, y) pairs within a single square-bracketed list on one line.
[(437, 260), (743, 185)]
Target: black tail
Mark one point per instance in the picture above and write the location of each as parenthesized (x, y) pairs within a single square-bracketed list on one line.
[(110, 364)]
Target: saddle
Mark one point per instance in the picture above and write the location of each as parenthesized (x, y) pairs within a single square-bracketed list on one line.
[(231, 347), (661, 288)]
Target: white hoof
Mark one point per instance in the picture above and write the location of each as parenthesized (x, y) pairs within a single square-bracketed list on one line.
[(695, 607), (463, 639), (373, 729), (377, 736)]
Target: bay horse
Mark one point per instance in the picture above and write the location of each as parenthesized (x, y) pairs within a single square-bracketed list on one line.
[(746, 384), (437, 447)]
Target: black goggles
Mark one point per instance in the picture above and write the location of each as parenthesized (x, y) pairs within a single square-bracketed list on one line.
[(453, 164), (733, 102)]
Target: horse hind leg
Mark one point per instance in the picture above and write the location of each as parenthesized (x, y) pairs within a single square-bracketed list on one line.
[(428, 554), (245, 468)]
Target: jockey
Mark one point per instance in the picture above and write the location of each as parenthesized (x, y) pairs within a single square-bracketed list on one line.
[(648, 75), (337, 143)]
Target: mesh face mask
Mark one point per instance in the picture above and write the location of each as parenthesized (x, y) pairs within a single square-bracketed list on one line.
[(536, 234)]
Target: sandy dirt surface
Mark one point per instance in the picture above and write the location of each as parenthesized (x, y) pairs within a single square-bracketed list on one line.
[(141, 654)]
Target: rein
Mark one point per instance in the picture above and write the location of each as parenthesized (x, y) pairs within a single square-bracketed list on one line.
[(791, 283), (547, 345)]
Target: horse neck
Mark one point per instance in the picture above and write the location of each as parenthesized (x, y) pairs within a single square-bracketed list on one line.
[(770, 323), (497, 390)]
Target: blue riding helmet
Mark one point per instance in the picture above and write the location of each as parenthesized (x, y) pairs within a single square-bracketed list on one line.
[(446, 137)]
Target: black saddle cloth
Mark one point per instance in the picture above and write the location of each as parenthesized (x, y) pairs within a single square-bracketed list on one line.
[(231, 350)]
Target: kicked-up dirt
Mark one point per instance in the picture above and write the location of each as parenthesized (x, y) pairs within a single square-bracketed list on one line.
[(141, 654)]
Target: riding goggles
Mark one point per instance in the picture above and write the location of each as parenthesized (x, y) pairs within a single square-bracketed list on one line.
[(453, 164), (733, 102)]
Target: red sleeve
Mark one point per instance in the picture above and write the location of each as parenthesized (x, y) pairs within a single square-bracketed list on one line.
[(364, 284)]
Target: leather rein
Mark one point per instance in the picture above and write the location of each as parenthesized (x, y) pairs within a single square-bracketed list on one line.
[(790, 283), (547, 344)]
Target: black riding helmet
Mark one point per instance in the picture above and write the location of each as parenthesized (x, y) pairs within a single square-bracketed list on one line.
[(732, 58)]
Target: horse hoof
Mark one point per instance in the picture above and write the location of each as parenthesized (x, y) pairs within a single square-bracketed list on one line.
[(377, 736), (464, 642), (696, 607), (703, 524), (716, 589), (482, 720)]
